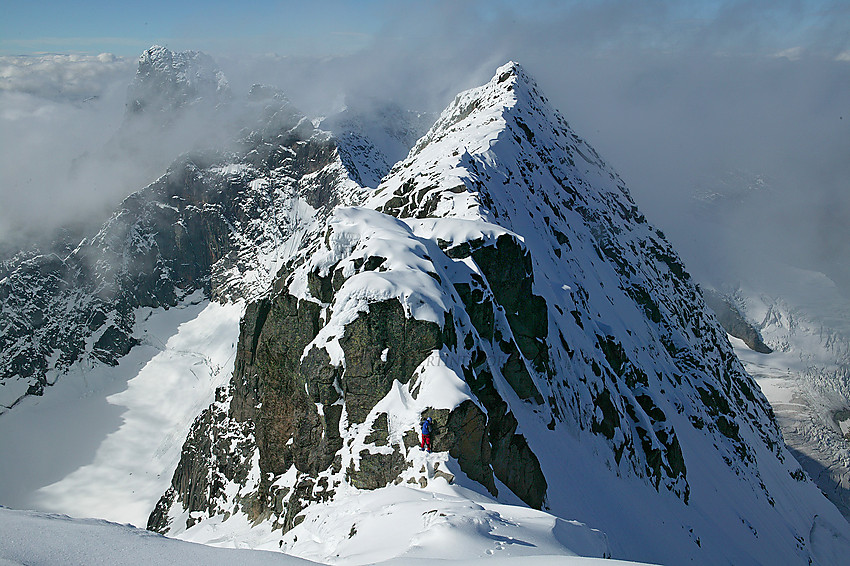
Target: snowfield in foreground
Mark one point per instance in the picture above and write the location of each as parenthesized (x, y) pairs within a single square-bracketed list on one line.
[(399, 523), (394, 526), (39, 538)]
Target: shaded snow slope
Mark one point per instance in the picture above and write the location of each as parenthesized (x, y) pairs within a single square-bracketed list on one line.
[(440, 522), (31, 539), (42, 539), (104, 442)]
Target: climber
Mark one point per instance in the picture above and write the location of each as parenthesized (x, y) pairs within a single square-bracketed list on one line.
[(426, 435)]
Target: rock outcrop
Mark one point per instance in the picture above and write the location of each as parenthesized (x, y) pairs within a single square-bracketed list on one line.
[(731, 319)]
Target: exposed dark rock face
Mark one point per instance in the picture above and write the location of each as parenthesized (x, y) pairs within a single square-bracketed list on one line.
[(507, 267), (369, 376), (270, 377), (507, 453), (199, 487), (276, 392), (466, 437), (377, 470)]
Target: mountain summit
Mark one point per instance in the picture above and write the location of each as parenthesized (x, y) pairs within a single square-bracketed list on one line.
[(166, 80), (501, 281)]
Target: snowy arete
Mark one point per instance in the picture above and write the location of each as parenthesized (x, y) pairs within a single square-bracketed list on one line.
[(499, 280)]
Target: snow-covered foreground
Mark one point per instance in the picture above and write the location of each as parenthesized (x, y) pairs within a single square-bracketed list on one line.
[(103, 441), (394, 526), (402, 522), (33, 539)]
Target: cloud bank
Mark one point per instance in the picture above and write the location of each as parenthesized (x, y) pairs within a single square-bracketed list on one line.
[(53, 110), (678, 97)]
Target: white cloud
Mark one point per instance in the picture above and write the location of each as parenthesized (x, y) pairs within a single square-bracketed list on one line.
[(63, 77), (55, 109), (668, 95)]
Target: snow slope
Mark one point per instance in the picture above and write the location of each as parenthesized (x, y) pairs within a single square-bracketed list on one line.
[(103, 443), (40, 539), (397, 524), (787, 278)]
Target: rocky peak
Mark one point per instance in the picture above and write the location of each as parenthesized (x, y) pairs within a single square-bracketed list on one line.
[(373, 135), (214, 222), (502, 281), (167, 80)]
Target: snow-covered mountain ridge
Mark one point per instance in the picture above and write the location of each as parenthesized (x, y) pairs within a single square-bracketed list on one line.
[(502, 281)]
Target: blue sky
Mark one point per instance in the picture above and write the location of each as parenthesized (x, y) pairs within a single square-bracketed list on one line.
[(128, 28), (334, 27)]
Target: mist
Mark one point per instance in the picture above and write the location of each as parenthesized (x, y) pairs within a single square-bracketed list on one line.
[(53, 110), (730, 124), (731, 127)]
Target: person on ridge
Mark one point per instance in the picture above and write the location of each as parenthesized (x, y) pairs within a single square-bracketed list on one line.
[(426, 435)]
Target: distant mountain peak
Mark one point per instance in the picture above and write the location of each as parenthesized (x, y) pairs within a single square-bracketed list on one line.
[(512, 69), (481, 134), (167, 80)]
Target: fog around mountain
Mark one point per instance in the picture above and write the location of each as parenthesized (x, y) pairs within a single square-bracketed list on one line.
[(674, 96)]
